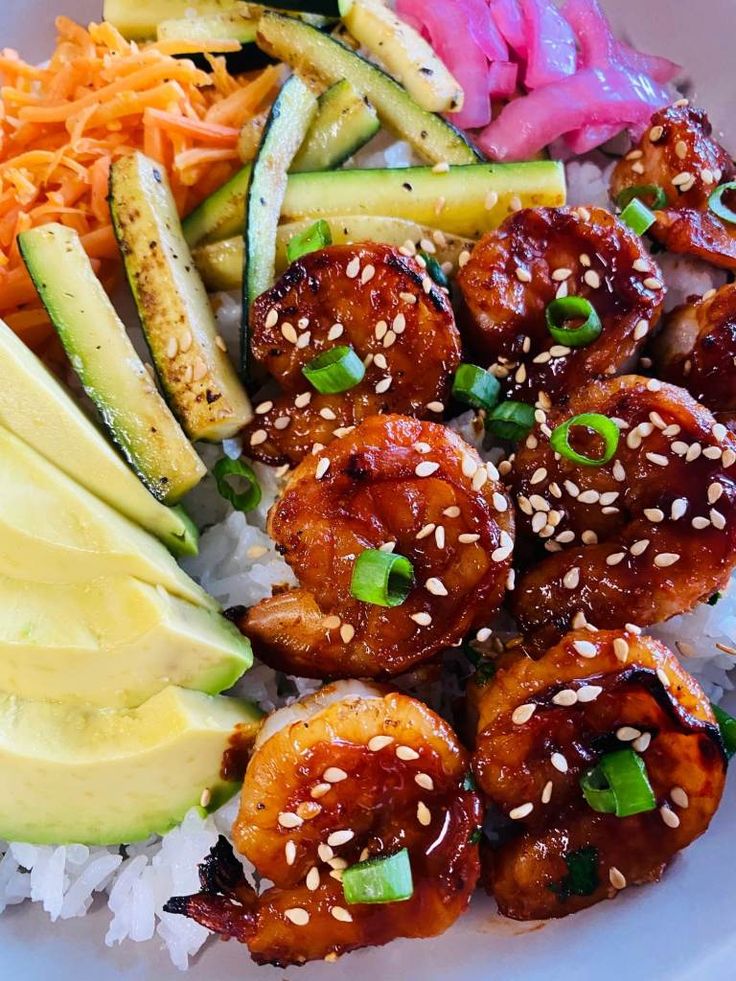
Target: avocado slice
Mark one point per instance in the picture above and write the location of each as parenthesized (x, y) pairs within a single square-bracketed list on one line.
[(108, 366), (198, 379), (104, 777), (35, 406), (112, 642), (53, 530)]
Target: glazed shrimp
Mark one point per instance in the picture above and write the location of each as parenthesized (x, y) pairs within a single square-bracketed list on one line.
[(544, 724), (697, 350), (396, 484), (515, 272), (642, 538), (369, 297), (349, 774), (679, 155)]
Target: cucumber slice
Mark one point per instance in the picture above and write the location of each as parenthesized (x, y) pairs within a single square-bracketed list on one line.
[(221, 263), (192, 32), (200, 382), (308, 51), (287, 125), (343, 124), (111, 372)]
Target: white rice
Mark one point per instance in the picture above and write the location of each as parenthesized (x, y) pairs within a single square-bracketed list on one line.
[(238, 564)]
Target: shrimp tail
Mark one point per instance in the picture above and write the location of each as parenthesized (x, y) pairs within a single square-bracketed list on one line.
[(227, 903)]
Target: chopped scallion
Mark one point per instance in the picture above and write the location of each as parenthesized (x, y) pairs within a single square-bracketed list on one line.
[(727, 725), (379, 880), (381, 578), (582, 878), (650, 194), (317, 236), (435, 270), (333, 371), (606, 428), (572, 308), (637, 216), (475, 386), (719, 207), (511, 420), (619, 785), (249, 496)]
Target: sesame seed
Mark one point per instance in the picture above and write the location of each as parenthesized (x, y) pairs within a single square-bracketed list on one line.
[(669, 817), (584, 259), (615, 558), (263, 408), (656, 133), (427, 285), (290, 852), (559, 762), (480, 478), (441, 168), (389, 338), (325, 853), (423, 619), (379, 361), (567, 697), (383, 385), (387, 547), (585, 648), (258, 437), (559, 351), (483, 634), (523, 713), (652, 283), (523, 275), (699, 523), (641, 330), (341, 914), (338, 838), (719, 431), (353, 267), (589, 693), (287, 819), (665, 559), (641, 745), (347, 632), (377, 743), (439, 536), (426, 468), (334, 332), (717, 519), (297, 915), (424, 815), (539, 503), (435, 407), (589, 497), (368, 273), (399, 323), (303, 340), (322, 467), (655, 515), (408, 298), (663, 677), (272, 318), (694, 451), (616, 878), (491, 200), (561, 274), (679, 508), (463, 259), (283, 422), (436, 587), (729, 458), (522, 811), (303, 400), (627, 734), (714, 492), (657, 459), (680, 797), (333, 774), (638, 548), (538, 476), (589, 537), (425, 532), (406, 753), (424, 781), (621, 649), (592, 279), (289, 332)]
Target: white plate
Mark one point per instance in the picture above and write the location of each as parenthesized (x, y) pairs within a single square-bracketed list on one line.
[(683, 929)]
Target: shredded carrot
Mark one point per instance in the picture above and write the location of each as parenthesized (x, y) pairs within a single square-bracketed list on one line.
[(98, 98)]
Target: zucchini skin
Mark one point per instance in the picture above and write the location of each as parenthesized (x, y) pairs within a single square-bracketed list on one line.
[(309, 51), (287, 125), (330, 140), (112, 374), (201, 384)]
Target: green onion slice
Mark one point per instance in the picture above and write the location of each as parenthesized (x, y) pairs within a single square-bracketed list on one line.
[(379, 880), (719, 207), (333, 371), (511, 420), (567, 308), (435, 270), (606, 429), (242, 500), (619, 785), (381, 578), (637, 216), (657, 199), (317, 236), (475, 386), (727, 725)]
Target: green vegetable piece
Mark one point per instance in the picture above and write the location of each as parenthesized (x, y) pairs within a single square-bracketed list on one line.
[(379, 880), (619, 785), (435, 270), (241, 500), (381, 578), (606, 428), (333, 371), (475, 386), (712, 600), (567, 308), (511, 420), (637, 216), (719, 207), (727, 725), (317, 236), (657, 199), (583, 878)]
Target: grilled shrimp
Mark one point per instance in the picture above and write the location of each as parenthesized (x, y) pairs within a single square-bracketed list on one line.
[(647, 535), (348, 774), (679, 155), (395, 484), (544, 724), (369, 297), (697, 350), (538, 255)]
